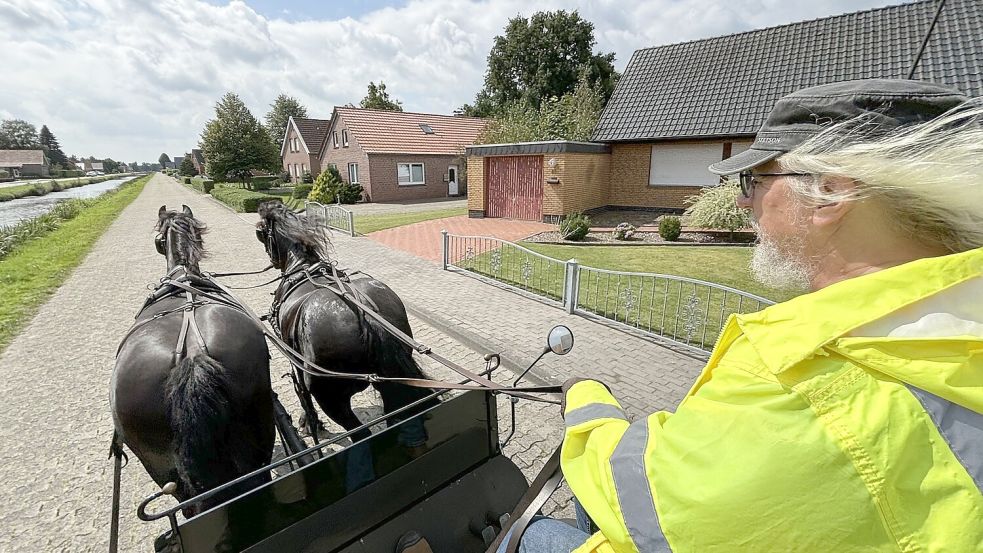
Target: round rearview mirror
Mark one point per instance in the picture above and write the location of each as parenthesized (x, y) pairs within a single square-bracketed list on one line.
[(560, 340)]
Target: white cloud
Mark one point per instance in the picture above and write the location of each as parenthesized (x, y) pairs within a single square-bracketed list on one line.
[(130, 79)]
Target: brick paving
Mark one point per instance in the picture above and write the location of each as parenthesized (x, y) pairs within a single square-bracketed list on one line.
[(408, 206), (423, 239), (54, 418)]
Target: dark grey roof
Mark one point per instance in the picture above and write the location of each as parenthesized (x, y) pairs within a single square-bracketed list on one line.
[(545, 147), (726, 86)]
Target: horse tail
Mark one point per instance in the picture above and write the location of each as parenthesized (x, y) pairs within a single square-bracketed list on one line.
[(200, 411)]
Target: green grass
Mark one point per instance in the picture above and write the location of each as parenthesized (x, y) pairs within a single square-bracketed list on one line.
[(683, 311), (42, 187), (38, 267), (365, 224)]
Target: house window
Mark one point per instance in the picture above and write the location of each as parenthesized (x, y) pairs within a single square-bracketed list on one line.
[(426, 128), (296, 144), (344, 137), (353, 173), (296, 174), (303, 169), (684, 164), (409, 173), (334, 138)]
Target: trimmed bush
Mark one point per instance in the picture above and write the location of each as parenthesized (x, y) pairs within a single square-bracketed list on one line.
[(203, 185), (715, 208), (326, 186), (670, 228), (350, 193), (243, 201), (187, 180), (624, 231), (301, 191), (263, 183), (574, 226)]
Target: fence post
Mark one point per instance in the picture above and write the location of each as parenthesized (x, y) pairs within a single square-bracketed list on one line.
[(445, 242), (571, 285), (351, 223)]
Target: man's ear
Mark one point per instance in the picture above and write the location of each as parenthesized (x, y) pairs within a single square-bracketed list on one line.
[(832, 213)]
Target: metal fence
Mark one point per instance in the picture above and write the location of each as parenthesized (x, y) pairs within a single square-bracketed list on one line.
[(334, 216), (687, 311)]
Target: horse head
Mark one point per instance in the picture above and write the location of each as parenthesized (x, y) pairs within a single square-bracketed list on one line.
[(179, 238), (290, 238)]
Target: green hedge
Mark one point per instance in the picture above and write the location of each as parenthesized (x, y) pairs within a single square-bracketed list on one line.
[(243, 201), (66, 173), (301, 191), (203, 185)]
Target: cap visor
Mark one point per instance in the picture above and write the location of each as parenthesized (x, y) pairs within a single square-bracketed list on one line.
[(743, 161)]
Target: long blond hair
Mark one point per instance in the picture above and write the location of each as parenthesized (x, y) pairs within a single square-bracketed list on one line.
[(929, 175)]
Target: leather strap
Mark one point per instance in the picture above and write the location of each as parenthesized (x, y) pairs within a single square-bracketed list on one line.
[(546, 482)]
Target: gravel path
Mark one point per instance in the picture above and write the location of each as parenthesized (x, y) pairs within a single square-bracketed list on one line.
[(55, 423)]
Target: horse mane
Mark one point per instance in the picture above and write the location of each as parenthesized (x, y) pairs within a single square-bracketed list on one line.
[(304, 233), (190, 246)]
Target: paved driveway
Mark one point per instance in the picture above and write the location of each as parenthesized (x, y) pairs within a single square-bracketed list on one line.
[(423, 239)]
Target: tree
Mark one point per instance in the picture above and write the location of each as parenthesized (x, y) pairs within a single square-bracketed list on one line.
[(17, 134), (234, 143), (281, 110), (50, 145), (187, 168), (110, 166), (540, 58), (378, 98), (326, 185), (164, 159)]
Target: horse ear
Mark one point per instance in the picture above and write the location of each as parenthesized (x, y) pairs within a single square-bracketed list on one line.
[(187, 211), (161, 212)]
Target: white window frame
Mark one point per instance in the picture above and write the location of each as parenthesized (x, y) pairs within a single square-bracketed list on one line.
[(296, 144), (296, 174), (353, 173), (410, 165), (303, 169), (334, 138), (344, 137)]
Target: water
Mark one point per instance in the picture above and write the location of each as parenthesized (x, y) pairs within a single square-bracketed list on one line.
[(21, 209)]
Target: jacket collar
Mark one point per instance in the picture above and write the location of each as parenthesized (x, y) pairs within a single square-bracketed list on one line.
[(787, 333)]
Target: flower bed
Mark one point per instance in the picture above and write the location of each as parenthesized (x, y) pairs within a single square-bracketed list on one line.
[(648, 237)]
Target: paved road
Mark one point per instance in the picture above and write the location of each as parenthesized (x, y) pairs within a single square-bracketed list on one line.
[(423, 239)]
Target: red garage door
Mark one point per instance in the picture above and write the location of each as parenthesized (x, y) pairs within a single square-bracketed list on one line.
[(515, 187)]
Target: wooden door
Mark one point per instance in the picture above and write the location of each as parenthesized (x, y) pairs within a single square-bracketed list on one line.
[(515, 187)]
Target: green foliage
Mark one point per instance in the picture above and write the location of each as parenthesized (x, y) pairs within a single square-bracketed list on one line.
[(574, 226), (572, 117), (187, 168), (716, 208), (670, 228), (202, 184), (243, 201), (326, 186), (40, 188), (17, 134), (263, 182), (235, 142), (308, 178), (540, 58), (24, 231), (66, 173), (51, 147), (4, 173), (624, 231), (350, 193), (378, 98), (281, 110), (301, 191), (187, 180), (164, 159)]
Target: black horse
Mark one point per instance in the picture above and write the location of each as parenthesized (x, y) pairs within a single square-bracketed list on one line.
[(191, 394), (329, 330)]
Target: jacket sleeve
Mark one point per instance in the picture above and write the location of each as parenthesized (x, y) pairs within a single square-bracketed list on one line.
[(598, 430)]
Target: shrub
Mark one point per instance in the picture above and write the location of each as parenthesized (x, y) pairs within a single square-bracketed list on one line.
[(4, 173), (350, 193), (202, 185), (308, 178), (263, 183), (624, 231), (243, 201), (187, 180), (284, 177), (670, 228), (574, 226), (301, 191), (326, 186), (715, 208)]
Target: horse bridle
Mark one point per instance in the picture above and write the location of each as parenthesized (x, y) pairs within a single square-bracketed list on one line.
[(268, 238)]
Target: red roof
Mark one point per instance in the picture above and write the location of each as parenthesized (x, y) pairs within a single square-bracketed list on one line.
[(396, 132)]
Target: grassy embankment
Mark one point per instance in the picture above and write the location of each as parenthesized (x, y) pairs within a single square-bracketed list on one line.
[(36, 267), (43, 187)]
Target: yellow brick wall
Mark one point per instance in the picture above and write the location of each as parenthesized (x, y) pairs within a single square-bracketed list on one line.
[(476, 183), (630, 180), (584, 182)]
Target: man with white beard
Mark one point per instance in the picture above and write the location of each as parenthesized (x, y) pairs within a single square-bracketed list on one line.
[(848, 419)]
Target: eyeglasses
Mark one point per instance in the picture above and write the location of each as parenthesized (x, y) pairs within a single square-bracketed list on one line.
[(749, 180)]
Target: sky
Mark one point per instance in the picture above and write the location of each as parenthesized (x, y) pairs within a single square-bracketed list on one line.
[(131, 79)]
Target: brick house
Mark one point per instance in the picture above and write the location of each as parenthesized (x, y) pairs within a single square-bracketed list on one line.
[(400, 156), (301, 148), (25, 163), (198, 159), (681, 107)]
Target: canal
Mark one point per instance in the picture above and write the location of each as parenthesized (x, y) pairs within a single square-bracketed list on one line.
[(21, 209)]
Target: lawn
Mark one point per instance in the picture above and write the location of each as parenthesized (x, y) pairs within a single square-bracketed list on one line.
[(365, 224), (38, 267)]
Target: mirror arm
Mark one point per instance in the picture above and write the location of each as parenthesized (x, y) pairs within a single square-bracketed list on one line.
[(544, 352)]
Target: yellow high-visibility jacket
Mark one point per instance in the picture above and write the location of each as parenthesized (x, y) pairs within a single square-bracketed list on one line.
[(849, 419)]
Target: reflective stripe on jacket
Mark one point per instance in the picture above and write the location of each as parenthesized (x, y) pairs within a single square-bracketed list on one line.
[(804, 432)]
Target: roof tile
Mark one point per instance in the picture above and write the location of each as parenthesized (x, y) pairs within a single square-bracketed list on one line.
[(379, 131)]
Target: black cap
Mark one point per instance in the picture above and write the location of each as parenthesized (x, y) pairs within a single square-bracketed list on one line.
[(889, 103)]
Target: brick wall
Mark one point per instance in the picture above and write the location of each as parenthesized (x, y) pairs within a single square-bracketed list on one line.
[(476, 186), (303, 160), (385, 187), (342, 156), (584, 183), (629, 185)]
